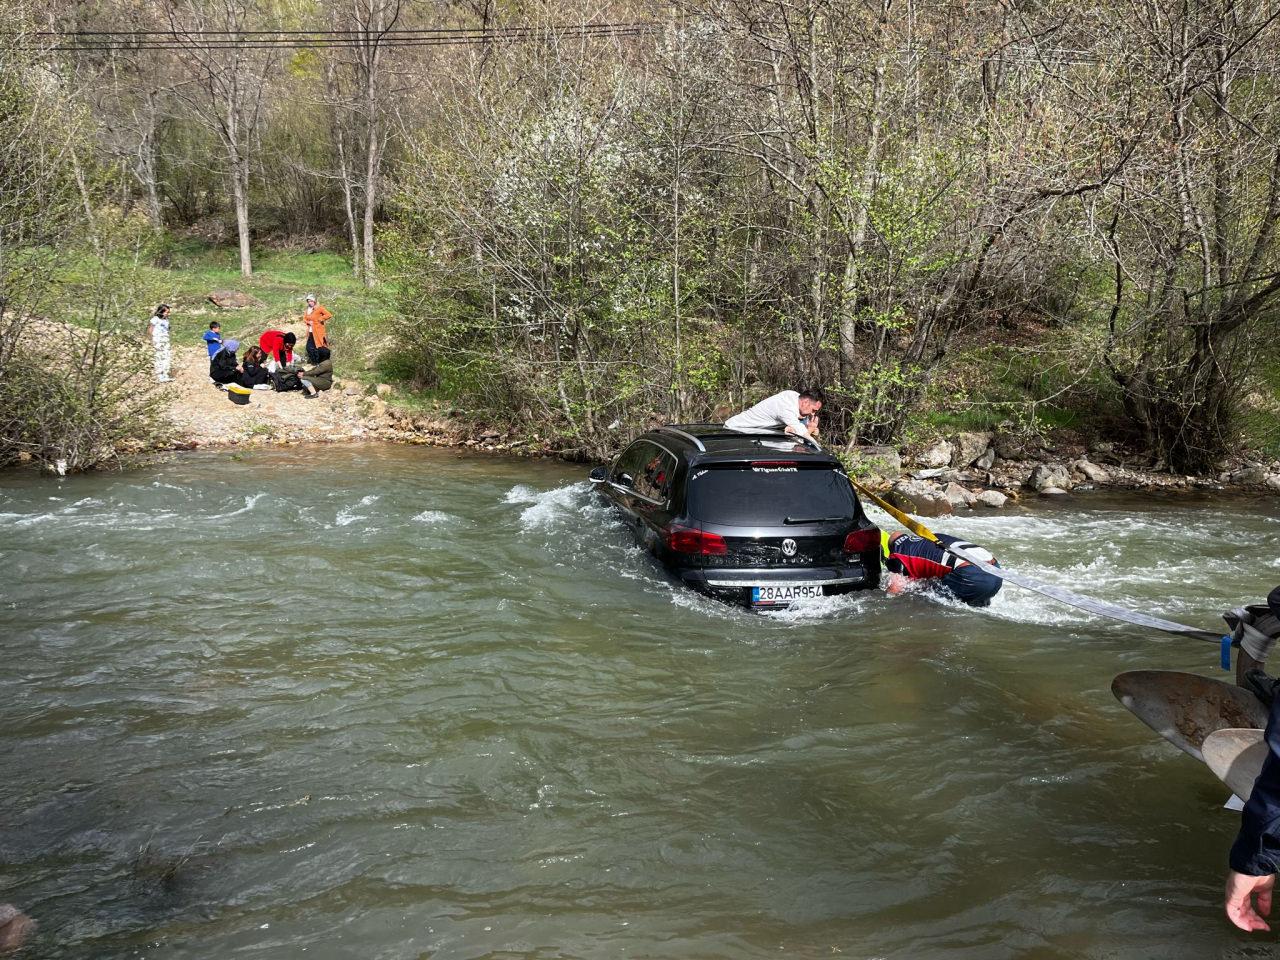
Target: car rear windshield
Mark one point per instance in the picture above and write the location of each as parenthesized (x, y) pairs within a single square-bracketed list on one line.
[(768, 496)]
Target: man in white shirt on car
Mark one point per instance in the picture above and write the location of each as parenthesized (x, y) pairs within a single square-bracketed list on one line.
[(795, 411)]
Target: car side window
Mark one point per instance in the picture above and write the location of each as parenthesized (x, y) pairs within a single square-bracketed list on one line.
[(630, 466), (654, 481)]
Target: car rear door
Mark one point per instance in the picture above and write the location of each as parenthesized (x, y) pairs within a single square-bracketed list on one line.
[(642, 481), (622, 479), (653, 488)]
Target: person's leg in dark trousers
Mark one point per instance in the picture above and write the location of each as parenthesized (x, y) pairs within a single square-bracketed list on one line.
[(312, 356)]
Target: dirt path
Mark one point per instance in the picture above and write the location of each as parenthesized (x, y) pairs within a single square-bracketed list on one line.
[(202, 415)]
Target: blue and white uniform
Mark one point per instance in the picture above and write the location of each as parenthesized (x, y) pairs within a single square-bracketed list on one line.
[(919, 559)]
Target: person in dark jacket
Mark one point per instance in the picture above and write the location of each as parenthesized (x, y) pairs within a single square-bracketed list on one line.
[(320, 377), (1255, 856), (223, 367), (255, 372)]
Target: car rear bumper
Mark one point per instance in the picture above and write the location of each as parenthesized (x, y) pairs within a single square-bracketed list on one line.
[(735, 584)]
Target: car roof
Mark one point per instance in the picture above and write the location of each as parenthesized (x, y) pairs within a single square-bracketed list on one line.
[(714, 442)]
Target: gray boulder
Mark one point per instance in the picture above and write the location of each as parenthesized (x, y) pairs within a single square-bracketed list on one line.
[(1273, 482), (1250, 476), (968, 447), (875, 465), (992, 498), (1009, 446), (987, 460), (922, 499), (1047, 475), (958, 496), (938, 455), (233, 300), (1091, 471)]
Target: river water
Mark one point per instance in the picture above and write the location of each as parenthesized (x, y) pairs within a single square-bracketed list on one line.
[(387, 702)]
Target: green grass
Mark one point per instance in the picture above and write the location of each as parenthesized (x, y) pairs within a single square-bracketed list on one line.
[(281, 281), (1259, 419), (984, 386)]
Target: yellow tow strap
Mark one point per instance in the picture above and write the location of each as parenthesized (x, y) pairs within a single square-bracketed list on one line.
[(915, 526), (1097, 607)]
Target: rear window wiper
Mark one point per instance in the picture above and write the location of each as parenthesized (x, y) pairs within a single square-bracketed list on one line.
[(814, 519)]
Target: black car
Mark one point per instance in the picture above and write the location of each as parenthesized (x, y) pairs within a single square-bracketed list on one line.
[(756, 518)]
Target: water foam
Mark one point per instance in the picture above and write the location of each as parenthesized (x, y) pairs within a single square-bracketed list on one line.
[(348, 515), (521, 493), (250, 502), (434, 517), (825, 608), (553, 506)]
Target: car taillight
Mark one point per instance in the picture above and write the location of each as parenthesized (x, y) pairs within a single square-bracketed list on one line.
[(685, 540), (862, 541), (774, 463)]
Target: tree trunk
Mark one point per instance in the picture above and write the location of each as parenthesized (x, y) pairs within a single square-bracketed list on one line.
[(858, 234), (371, 178), (240, 189), (348, 199), (146, 167)]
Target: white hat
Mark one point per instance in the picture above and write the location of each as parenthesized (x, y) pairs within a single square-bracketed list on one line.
[(311, 296)]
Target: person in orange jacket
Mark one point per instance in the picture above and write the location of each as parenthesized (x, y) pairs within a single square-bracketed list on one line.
[(315, 317)]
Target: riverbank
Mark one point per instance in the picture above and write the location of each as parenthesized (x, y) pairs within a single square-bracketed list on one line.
[(201, 416), (378, 398), (968, 471), (976, 470)]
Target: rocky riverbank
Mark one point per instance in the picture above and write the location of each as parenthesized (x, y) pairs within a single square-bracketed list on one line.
[(966, 471), (202, 416), (988, 470)]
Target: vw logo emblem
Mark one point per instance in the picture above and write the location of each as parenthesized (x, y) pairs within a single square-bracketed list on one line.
[(788, 547)]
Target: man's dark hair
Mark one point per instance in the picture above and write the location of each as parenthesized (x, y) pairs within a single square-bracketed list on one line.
[(290, 339), (815, 394), (214, 323)]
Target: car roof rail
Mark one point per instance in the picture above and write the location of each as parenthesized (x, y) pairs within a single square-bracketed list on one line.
[(688, 436), (722, 430)]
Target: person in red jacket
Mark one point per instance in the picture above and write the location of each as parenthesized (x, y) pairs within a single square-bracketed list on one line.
[(908, 557), (278, 346)]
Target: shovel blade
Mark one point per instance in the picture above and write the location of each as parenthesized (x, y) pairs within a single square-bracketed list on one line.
[(1236, 757), (1185, 708)]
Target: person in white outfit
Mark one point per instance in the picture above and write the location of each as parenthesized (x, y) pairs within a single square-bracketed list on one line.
[(158, 330), (796, 411)]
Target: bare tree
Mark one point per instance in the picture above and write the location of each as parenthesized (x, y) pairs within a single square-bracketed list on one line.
[(360, 93), (225, 89), (1188, 229)]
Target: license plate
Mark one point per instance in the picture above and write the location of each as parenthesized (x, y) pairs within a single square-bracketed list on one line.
[(784, 593)]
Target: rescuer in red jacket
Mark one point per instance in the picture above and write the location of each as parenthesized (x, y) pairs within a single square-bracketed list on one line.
[(908, 557)]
